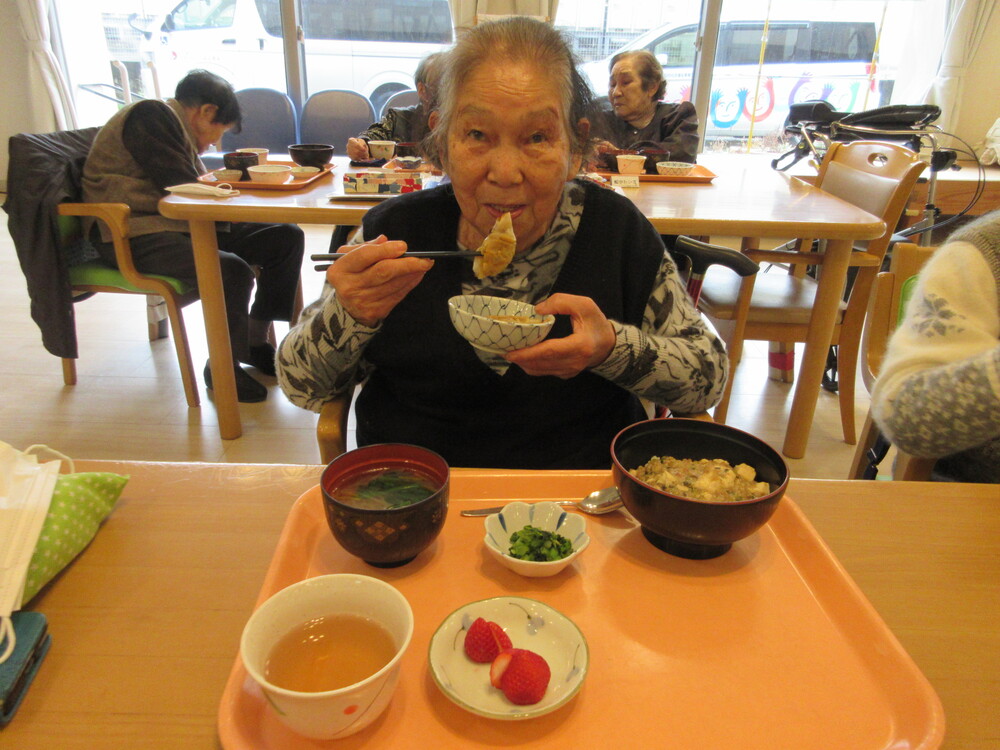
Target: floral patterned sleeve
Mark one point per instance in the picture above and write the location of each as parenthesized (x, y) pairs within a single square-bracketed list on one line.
[(674, 359), (323, 355)]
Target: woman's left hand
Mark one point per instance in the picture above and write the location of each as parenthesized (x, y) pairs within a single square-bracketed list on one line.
[(591, 342)]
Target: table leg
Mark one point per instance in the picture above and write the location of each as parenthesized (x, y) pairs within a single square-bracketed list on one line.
[(829, 291), (220, 353)]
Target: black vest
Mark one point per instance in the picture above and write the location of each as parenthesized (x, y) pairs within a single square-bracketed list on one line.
[(428, 386)]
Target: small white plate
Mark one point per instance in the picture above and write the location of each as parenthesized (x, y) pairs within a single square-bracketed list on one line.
[(531, 625)]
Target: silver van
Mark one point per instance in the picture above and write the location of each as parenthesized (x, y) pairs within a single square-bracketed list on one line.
[(369, 46), (803, 60)]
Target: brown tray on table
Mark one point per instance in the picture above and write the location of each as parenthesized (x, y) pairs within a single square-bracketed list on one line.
[(771, 645), (699, 174), (209, 179)]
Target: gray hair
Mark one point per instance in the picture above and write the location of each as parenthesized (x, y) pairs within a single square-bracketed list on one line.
[(429, 71), (512, 40), (649, 69)]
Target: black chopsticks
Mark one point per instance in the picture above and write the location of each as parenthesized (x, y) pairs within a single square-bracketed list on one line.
[(419, 254)]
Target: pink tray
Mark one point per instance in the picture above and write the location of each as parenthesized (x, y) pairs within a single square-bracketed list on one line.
[(769, 646)]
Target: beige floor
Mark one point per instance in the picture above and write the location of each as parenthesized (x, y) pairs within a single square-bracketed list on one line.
[(129, 403)]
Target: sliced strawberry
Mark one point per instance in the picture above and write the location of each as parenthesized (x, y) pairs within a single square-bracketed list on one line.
[(484, 640), (499, 666), (522, 675)]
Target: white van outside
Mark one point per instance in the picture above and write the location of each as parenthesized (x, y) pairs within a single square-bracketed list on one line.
[(803, 60), (369, 46)]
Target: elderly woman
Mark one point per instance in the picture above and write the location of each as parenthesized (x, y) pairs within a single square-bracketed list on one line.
[(408, 123), (511, 132), (637, 116)]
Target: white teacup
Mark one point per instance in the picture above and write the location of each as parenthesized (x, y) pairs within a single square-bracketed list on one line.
[(381, 149), (261, 153), (333, 713)]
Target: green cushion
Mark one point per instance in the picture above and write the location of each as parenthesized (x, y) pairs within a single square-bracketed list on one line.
[(80, 502), (98, 274)]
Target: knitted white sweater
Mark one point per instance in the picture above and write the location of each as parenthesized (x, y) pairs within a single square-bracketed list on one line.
[(938, 393)]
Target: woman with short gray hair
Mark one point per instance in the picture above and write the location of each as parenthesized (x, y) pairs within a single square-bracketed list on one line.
[(511, 135)]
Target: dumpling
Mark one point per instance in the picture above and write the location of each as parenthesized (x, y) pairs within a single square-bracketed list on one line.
[(497, 249)]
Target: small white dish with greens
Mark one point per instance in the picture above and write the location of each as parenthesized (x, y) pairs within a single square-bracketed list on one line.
[(535, 539)]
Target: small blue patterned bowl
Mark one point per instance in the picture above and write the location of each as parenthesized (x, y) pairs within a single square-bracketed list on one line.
[(490, 323), (546, 516)]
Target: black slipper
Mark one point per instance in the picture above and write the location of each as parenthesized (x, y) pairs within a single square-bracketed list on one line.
[(248, 390), (262, 357)]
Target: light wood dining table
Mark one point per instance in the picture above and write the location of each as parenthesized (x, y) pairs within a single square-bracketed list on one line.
[(747, 199), (146, 622)]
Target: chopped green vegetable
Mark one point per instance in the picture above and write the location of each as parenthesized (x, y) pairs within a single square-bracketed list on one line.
[(539, 545)]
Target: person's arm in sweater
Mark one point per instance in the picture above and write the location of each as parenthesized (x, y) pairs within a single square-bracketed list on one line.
[(938, 392)]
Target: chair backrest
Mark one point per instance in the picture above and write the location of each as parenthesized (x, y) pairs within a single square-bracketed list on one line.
[(269, 121), (333, 116), (400, 99), (887, 303), (874, 176)]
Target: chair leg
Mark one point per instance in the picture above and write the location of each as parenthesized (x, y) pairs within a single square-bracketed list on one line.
[(869, 433), (183, 354), (69, 371), (847, 370), (156, 316)]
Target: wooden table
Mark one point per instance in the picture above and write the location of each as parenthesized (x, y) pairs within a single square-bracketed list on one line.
[(748, 199), (146, 622), (309, 205)]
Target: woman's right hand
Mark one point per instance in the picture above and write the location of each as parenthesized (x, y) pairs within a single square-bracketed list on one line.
[(357, 149), (372, 279)]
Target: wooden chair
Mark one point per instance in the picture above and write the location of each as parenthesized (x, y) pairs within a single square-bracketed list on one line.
[(331, 429), (889, 296), (877, 177), (93, 276)]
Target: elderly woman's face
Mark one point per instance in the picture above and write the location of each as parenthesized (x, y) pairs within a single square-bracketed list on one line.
[(508, 150), (630, 100)]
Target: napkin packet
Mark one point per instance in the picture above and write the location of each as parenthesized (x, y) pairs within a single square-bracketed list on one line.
[(46, 520), (210, 191), (383, 182)]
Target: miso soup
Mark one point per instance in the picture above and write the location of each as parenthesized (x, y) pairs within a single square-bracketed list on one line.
[(384, 489)]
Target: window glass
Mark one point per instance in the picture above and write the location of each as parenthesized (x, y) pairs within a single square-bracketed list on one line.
[(676, 50), (202, 14), (418, 21)]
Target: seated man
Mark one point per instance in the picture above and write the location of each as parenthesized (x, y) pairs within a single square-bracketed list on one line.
[(150, 145)]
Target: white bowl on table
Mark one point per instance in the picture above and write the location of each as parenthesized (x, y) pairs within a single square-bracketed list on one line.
[(545, 516), (631, 163), (273, 174), (674, 168)]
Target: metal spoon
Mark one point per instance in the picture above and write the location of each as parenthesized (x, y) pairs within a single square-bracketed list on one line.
[(597, 503)]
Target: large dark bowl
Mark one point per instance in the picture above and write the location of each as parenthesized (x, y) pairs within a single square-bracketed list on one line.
[(240, 160), (694, 528), (311, 154), (392, 537)]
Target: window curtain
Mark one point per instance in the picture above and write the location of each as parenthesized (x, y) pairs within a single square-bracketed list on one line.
[(46, 81), (966, 27), (465, 12)]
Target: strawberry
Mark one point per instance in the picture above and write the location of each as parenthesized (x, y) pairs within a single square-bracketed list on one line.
[(522, 675), (484, 640)]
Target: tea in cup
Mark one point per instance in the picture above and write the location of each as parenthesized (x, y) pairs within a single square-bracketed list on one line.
[(381, 149), (356, 626)]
